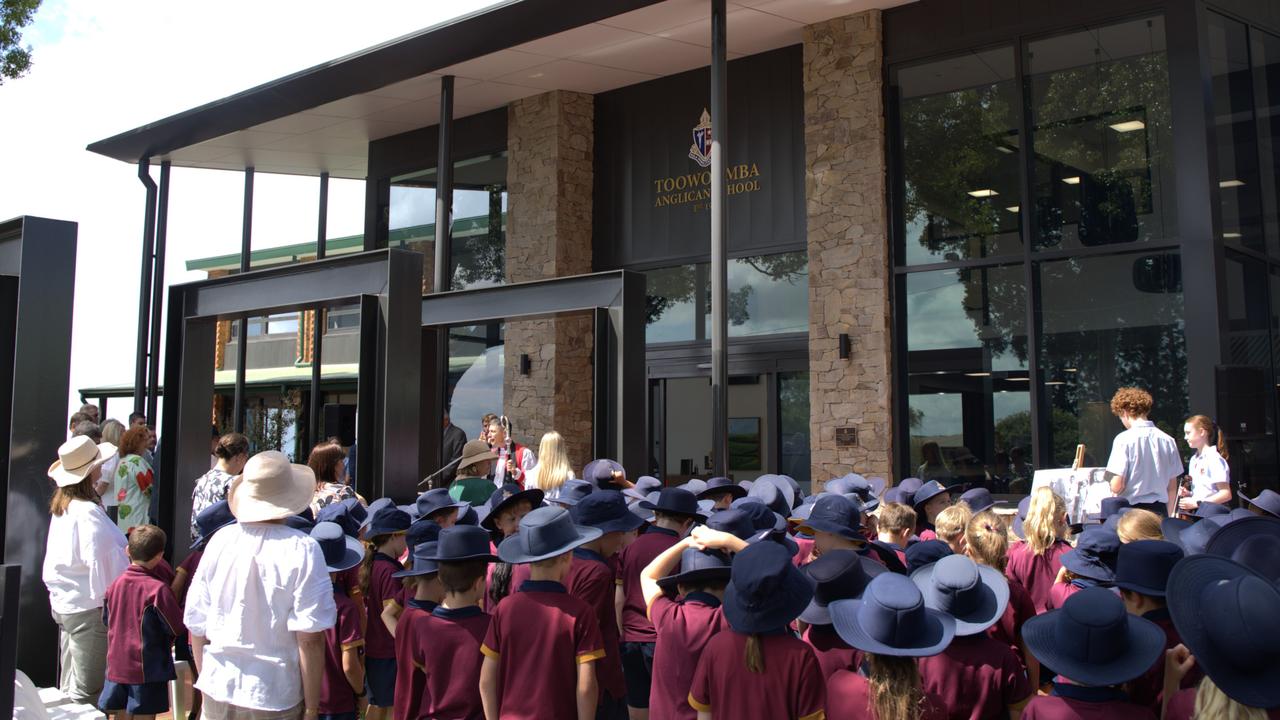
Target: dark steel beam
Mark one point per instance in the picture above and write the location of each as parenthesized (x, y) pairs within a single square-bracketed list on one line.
[(144, 290), (157, 295), (318, 321), (242, 346), (538, 297), (719, 243), (602, 390), (444, 186), (367, 483)]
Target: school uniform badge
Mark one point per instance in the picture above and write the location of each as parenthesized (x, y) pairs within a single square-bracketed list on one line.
[(700, 150)]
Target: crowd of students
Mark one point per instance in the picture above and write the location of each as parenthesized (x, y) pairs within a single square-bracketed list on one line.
[(714, 599)]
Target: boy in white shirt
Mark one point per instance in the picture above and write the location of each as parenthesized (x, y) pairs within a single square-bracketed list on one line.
[(1144, 466)]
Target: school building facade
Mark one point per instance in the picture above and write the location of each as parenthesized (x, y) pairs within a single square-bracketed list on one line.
[(954, 227)]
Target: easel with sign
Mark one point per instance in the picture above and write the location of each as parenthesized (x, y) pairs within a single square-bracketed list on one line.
[(1081, 488)]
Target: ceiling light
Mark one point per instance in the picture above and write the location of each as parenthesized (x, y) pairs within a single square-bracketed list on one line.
[(1005, 149), (983, 193), (1018, 379), (1128, 126), (1070, 370), (1230, 183), (1231, 235), (1073, 180), (1013, 208), (978, 374), (1055, 382)]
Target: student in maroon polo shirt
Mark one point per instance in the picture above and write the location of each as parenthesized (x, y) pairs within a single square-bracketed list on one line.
[(1091, 563), (987, 542), (892, 627), (342, 683), (674, 512), (932, 498), (540, 633), (1034, 563), (757, 668), (835, 522), (502, 514), (385, 541), (422, 580), (1095, 646), (977, 677), (1142, 573), (142, 618), (592, 579), (446, 643), (1225, 612), (838, 575), (686, 614)]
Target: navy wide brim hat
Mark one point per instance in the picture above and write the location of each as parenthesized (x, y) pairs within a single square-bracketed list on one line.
[(422, 561), (1225, 614), (533, 497), (974, 595), (545, 533), (721, 486), (927, 492), (1226, 539), (210, 520), (891, 619), (1267, 501), (765, 591), (839, 575), (675, 501), (698, 567), (1093, 640), (341, 551)]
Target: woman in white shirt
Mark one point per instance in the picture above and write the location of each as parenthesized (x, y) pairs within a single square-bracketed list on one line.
[(1210, 474), (84, 554)]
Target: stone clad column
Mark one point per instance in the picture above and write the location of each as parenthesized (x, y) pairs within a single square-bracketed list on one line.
[(549, 186), (849, 256)]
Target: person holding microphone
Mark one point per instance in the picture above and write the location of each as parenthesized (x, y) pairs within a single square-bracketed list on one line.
[(1144, 466)]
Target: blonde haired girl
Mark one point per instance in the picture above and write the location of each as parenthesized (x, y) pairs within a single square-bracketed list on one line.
[(1033, 563), (553, 468)]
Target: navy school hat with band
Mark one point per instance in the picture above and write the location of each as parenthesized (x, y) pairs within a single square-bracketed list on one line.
[(387, 520), (778, 537), (422, 530), (1261, 554), (1107, 507), (762, 518), (210, 520), (675, 501), (1093, 640), (765, 591), (545, 533), (926, 552), (644, 485), (891, 618), (373, 509), (461, 543), (837, 515), (423, 561), (1143, 566), (773, 496), (504, 498), (340, 513), (341, 551), (697, 567), (927, 492), (1094, 555), (1226, 616), (434, 501), (733, 521), (721, 486), (897, 495), (607, 511), (866, 492), (979, 499), (1226, 539), (838, 575), (1192, 537), (571, 492), (1267, 501), (974, 595)]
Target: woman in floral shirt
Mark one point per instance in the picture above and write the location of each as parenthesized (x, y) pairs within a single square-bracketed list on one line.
[(232, 453), (326, 462), (133, 478)]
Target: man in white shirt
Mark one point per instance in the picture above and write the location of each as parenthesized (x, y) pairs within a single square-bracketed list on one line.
[(1144, 465), (261, 600)]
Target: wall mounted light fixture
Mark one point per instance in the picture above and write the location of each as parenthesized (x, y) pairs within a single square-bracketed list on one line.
[(525, 365), (846, 347)]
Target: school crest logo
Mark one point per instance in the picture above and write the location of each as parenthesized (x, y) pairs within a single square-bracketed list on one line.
[(700, 150)]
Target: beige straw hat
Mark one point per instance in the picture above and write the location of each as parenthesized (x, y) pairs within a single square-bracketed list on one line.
[(475, 451), (77, 459), (271, 488)]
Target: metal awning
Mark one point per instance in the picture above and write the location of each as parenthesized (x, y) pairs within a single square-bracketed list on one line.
[(322, 119)]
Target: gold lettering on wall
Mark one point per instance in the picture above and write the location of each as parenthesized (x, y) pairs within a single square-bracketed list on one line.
[(695, 188)]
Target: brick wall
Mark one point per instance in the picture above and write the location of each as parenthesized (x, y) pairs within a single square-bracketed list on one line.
[(849, 261), (549, 187)]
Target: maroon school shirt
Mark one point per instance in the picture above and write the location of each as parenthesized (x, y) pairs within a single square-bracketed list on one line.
[(447, 652), (1035, 573), (805, 556), (1148, 689), (411, 682), (592, 580), (1183, 704), (336, 694), (164, 571), (383, 589), (976, 678), (849, 695), (791, 685), (634, 558), (1058, 594), (188, 567), (538, 636), (1074, 702), (833, 653), (1008, 629), (684, 628), (142, 618)]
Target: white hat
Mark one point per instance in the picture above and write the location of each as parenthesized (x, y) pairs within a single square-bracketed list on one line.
[(271, 488), (77, 459)]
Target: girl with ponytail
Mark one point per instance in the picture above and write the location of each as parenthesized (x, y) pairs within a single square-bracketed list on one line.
[(1033, 563), (1210, 474)]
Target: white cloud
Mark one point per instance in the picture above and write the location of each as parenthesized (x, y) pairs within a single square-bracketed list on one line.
[(103, 68)]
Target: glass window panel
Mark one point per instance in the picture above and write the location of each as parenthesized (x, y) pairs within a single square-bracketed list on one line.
[(1248, 315), (1235, 133), (1102, 329), (343, 320), (768, 294), (1266, 72), (968, 395), (958, 129), (282, 324), (474, 382), (793, 425), (1101, 137), (670, 315), (479, 237)]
